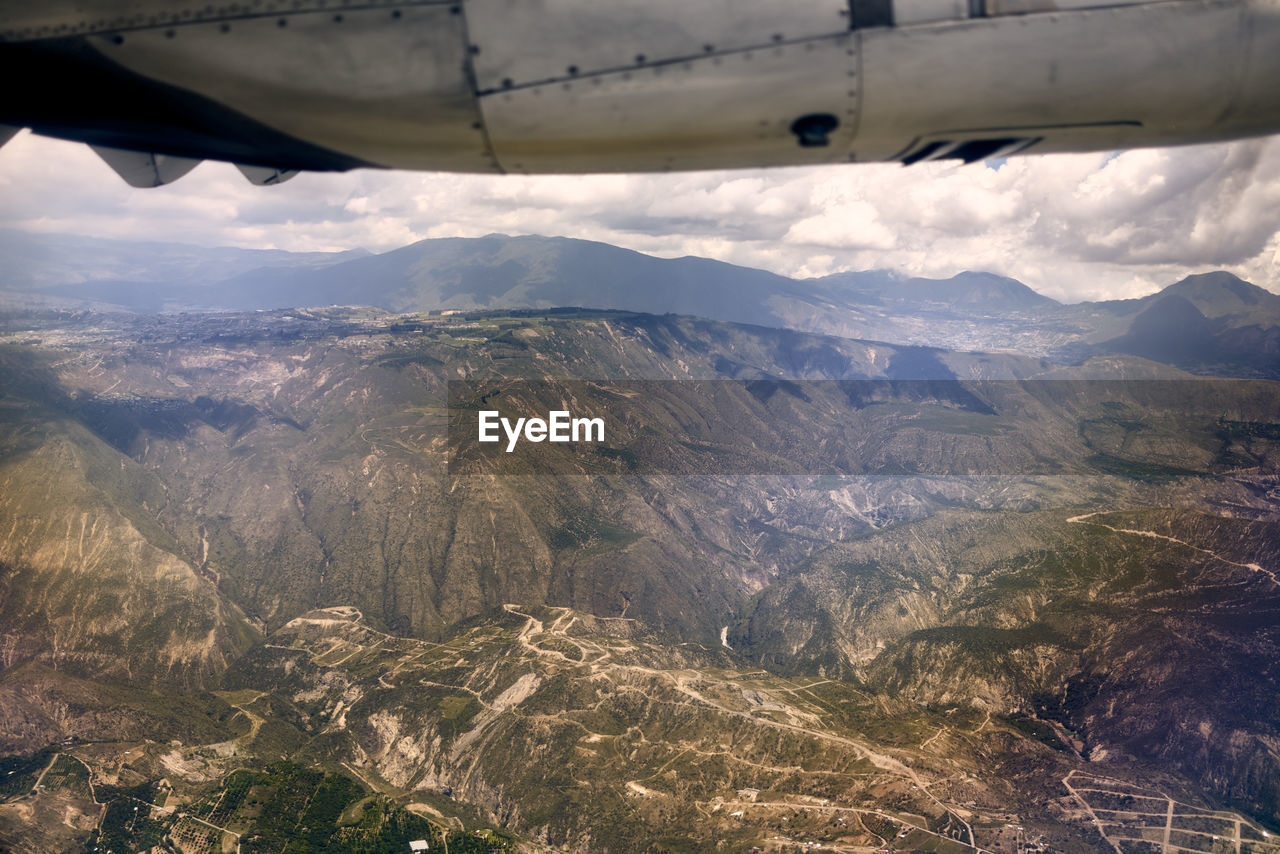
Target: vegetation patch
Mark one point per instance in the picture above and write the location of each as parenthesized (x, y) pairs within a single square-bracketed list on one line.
[(588, 535), (1038, 730), (1138, 469)]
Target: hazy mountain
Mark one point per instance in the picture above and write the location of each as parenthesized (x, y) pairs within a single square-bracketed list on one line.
[(239, 563), (1222, 294), (969, 311), (36, 262), (521, 272), (1211, 323), (978, 292)]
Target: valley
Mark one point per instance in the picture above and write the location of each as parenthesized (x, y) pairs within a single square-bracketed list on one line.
[(812, 593)]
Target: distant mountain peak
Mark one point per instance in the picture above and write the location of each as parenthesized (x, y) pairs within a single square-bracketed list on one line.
[(972, 289), (1219, 292), (987, 287)]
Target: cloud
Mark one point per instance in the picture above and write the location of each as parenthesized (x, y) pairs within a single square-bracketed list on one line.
[(846, 224), (1080, 226)]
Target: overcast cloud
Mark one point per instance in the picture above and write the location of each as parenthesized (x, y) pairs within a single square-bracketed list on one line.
[(1071, 226)]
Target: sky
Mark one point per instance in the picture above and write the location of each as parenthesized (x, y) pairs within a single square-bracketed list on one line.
[(1074, 227)]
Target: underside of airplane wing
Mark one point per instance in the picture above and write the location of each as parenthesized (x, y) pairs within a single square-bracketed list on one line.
[(571, 86)]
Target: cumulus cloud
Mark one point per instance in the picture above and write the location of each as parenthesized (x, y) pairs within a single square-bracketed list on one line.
[(853, 224), (1085, 226)]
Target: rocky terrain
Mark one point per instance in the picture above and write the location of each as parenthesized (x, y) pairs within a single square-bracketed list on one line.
[(813, 592)]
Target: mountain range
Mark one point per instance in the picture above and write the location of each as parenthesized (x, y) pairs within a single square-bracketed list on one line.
[(978, 600), (865, 563), (1211, 323)]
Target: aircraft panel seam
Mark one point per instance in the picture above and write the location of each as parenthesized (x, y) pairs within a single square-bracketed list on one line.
[(650, 65), (469, 69), (196, 16)]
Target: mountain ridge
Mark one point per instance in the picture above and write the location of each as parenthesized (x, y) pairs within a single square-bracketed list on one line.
[(973, 310), (968, 287)]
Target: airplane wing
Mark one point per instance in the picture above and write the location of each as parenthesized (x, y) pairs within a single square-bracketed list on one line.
[(571, 86)]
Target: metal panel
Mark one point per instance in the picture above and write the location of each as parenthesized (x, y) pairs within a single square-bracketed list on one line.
[(709, 112), (1054, 76), (386, 86), (908, 12), (520, 42)]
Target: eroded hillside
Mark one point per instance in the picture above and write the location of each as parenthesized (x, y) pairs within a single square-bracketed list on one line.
[(856, 595)]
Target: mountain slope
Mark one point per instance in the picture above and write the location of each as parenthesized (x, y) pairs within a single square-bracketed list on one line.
[(1222, 294), (519, 272), (91, 583), (1211, 323), (1128, 627), (903, 631)]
